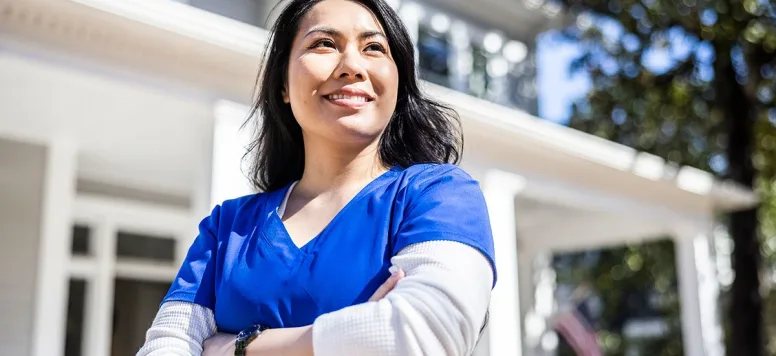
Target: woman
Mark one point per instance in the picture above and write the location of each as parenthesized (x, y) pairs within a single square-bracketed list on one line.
[(355, 165)]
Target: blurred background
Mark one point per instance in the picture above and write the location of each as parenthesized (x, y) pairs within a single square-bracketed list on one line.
[(626, 148)]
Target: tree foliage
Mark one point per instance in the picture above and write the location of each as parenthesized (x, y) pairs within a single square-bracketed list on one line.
[(636, 282), (693, 81)]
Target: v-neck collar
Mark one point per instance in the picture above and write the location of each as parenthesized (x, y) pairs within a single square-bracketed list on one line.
[(281, 209), (275, 230)]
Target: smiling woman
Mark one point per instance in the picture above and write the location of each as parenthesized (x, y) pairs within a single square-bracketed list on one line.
[(366, 239)]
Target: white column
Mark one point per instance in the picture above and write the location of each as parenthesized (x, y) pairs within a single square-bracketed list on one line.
[(505, 335), (525, 276), (698, 291), (537, 297), (98, 316), (51, 289), (545, 305), (229, 143), (202, 201)]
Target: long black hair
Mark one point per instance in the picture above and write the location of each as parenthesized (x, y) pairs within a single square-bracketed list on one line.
[(421, 130)]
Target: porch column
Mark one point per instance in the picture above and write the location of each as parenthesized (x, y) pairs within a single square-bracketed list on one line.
[(537, 331), (202, 196), (698, 292), (51, 290), (526, 292), (505, 334), (227, 180)]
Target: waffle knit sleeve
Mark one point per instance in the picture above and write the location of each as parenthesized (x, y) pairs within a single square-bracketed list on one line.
[(179, 329), (437, 309)]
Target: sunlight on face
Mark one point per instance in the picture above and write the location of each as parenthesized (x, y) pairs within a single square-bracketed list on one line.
[(342, 81)]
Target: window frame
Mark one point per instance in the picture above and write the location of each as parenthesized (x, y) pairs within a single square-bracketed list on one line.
[(105, 217)]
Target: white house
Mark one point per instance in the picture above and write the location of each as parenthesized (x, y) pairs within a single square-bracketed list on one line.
[(119, 130)]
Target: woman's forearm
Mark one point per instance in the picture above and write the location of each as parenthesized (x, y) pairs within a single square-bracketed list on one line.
[(272, 342), (283, 342), (179, 328)]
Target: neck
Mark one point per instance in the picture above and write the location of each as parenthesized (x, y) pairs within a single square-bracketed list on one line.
[(328, 168)]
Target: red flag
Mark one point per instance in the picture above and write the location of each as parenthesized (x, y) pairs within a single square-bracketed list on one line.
[(578, 333)]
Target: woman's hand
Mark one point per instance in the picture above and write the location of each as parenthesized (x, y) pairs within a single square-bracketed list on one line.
[(388, 285)]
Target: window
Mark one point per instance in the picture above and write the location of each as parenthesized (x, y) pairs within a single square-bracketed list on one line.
[(433, 54), (74, 330), (479, 79), (116, 251), (135, 305), (522, 85), (142, 246), (81, 235)]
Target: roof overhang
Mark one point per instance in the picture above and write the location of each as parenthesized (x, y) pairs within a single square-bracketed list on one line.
[(221, 57)]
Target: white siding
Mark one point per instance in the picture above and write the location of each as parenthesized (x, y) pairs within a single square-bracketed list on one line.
[(21, 185)]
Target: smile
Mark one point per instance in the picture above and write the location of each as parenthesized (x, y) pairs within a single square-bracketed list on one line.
[(349, 100), (348, 97)]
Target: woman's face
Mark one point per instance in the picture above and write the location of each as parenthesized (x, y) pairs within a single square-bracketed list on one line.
[(342, 80)]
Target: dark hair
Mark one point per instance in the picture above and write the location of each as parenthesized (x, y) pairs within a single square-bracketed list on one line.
[(421, 130)]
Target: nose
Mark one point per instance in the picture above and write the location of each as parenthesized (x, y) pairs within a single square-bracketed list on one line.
[(350, 66)]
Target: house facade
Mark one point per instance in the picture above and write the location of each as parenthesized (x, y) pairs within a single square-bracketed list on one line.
[(120, 129)]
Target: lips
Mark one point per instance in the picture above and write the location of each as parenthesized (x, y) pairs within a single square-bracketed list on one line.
[(349, 97)]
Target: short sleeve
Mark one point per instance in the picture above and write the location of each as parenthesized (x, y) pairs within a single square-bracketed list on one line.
[(444, 203), (195, 281)]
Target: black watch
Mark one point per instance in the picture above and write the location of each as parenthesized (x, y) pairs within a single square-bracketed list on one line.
[(245, 337)]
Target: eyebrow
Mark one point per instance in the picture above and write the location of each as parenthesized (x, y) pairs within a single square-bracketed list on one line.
[(331, 31)]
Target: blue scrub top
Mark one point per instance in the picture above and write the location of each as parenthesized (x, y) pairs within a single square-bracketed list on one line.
[(245, 267)]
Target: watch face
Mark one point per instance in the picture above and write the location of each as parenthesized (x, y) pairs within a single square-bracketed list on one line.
[(248, 332)]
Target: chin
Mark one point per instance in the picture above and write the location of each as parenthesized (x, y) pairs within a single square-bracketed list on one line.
[(358, 138), (359, 126), (356, 135)]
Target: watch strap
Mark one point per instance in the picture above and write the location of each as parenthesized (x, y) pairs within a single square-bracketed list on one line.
[(245, 338)]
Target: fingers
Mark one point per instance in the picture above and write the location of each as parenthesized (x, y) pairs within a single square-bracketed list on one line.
[(388, 285)]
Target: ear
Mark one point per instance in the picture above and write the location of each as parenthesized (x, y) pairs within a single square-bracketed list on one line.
[(286, 99)]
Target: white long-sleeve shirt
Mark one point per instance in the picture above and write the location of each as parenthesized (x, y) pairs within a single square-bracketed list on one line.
[(437, 309)]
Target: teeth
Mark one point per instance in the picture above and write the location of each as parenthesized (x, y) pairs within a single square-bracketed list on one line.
[(347, 97)]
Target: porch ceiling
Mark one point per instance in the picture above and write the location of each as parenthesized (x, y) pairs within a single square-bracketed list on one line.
[(583, 230), (127, 134), (543, 225)]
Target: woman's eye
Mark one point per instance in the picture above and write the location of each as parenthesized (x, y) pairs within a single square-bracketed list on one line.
[(322, 44), (376, 47)]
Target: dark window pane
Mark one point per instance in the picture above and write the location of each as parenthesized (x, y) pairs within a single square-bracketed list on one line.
[(81, 235), (135, 305), (433, 55), (135, 245), (522, 85), (75, 318)]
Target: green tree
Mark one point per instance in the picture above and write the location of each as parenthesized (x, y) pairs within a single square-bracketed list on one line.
[(692, 81), (633, 282)]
